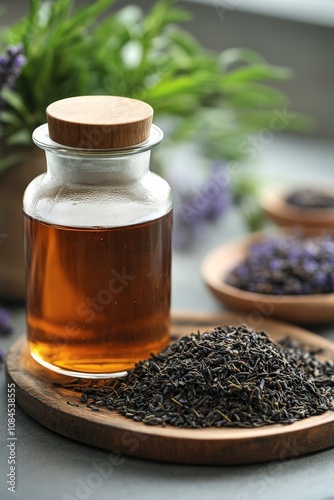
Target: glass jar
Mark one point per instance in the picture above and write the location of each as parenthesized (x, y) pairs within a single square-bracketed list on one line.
[(97, 232)]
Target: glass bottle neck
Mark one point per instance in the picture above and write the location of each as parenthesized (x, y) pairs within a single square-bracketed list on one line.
[(97, 168)]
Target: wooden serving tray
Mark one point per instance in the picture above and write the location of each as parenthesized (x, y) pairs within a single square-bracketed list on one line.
[(47, 404)]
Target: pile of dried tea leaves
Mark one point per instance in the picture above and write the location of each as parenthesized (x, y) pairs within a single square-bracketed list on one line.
[(227, 377)]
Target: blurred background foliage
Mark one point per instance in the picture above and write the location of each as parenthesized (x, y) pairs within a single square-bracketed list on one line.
[(215, 100)]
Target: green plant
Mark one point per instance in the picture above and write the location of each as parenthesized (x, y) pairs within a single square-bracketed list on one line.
[(216, 100), (145, 56), (57, 44)]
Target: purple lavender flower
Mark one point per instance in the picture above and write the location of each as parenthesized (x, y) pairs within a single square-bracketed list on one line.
[(289, 265), (5, 321), (218, 192), (11, 65), (275, 264), (310, 266), (194, 209)]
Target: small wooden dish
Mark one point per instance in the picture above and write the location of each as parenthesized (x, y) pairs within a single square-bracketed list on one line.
[(309, 221), (301, 309)]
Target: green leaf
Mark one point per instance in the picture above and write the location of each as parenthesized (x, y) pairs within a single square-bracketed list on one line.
[(255, 95), (21, 137), (201, 84), (185, 41), (239, 55), (9, 161), (86, 16), (162, 14), (253, 73), (14, 100), (10, 118)]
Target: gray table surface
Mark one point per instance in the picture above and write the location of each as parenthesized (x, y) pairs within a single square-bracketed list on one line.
[(50, 466)]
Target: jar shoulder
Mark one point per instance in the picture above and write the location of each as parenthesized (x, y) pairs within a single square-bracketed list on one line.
[(103, 204)]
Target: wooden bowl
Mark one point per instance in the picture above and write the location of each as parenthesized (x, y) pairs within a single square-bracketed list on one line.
[(301, 309), (309, 221)]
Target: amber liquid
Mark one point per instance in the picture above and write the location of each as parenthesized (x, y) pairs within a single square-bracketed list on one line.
[(98, 300)]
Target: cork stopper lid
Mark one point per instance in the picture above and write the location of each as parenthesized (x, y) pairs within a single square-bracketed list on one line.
[(99, 122)]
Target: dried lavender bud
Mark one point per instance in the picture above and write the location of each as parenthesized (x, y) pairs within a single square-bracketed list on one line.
[(310, 198), (227, 377), (11, 65), (287, 265)]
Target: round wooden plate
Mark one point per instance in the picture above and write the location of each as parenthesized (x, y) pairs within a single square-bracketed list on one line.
[(301, 309), (47, 404), (309, 221)]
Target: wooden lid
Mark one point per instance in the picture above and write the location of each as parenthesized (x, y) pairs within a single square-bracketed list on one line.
[(99, 122)]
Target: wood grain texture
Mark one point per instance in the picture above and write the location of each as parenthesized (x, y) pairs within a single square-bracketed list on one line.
[(301, 309), (99, 122), (47, 404)]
